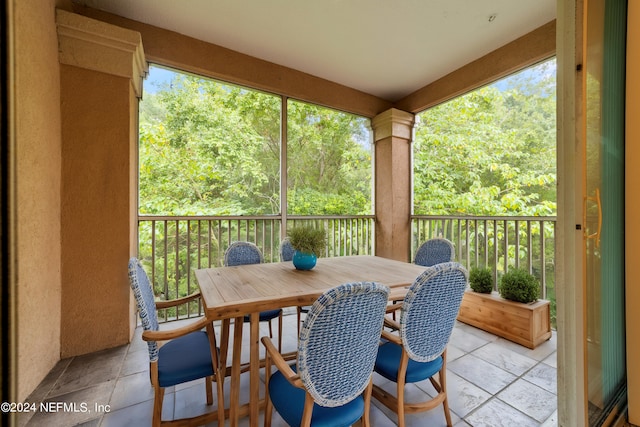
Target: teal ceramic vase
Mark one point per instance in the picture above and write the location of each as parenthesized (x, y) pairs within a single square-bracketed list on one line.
[(304, 261)]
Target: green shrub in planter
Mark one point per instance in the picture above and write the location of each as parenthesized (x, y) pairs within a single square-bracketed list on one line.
[(481, 280), (519, 285)]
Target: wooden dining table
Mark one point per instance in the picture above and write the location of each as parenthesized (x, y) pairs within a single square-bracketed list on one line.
[(233, 292)]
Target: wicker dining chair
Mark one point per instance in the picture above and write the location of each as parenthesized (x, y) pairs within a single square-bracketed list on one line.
[(244, 253), (418, 351), (286, 250), (189, 353), (431, 252), (434, 251), (331, 382)]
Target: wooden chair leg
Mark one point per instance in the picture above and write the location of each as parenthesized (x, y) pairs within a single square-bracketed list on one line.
[(270, 330), (307, 411), (224, 345), (367, 404), (401, 381), (280, 333), (443, 389), (299, 319), (218, 369), (400, 397), (157, 406), (268, 405), (208, 386), (219, 385), (447, 413)]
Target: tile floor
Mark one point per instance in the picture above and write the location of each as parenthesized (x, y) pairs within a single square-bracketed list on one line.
[(491, 381)]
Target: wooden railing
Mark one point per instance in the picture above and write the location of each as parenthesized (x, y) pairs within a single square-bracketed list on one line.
[(497, 242), (171, 248)]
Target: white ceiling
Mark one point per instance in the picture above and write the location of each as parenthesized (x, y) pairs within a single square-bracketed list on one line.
[(387, 48)]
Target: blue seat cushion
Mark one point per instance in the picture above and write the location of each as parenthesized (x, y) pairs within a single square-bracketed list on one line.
[(266, 315), (388, 361), (289, 402), (183, 359)]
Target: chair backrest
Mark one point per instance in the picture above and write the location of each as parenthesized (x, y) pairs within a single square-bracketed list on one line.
[(434, 251), (143, 292), (242, 253), (339, 341), (286, 250), (430, 309)]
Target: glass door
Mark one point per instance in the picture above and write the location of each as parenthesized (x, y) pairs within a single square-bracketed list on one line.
[(604, 37)]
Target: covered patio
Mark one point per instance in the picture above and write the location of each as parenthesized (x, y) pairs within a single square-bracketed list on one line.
[(75, 81)]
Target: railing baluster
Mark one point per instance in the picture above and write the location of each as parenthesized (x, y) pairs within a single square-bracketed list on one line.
[(476, 243), (166, 264), (153, 252), (506, 245), (475, 235), (347, 235), (177, 264), (529, 247), (517, 243), (486, 243), (496, 258), (209, 245), (543, 266)]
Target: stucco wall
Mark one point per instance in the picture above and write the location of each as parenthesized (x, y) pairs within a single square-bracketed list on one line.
[(95, 210), (37, 128), (100, 79)]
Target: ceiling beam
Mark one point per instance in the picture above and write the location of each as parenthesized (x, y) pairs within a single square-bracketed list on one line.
[(538, 45), (185, 53)]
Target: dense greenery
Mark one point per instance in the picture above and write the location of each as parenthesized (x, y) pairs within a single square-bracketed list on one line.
[(328, 162), (491, 151), (208, 148)]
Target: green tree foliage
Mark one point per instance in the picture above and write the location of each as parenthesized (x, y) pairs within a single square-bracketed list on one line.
[(208, 148), (329, 162), (203, 153), (491, 151)]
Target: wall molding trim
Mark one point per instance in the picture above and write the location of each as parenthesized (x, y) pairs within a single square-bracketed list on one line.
[(87, 43)]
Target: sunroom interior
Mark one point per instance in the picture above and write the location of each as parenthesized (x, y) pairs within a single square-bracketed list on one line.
[(77, 83)]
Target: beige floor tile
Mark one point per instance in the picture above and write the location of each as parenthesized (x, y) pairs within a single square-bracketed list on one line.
[(505, 358), (543, 376), (481, 373), (466, 341), (496, 413), (87, 370), (530, 399), (464, 396), (76, 407), (131, 390)]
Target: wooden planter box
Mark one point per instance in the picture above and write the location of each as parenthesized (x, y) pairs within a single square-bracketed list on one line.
[(526, 324)]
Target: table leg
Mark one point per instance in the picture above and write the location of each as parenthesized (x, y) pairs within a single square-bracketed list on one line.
[(254, 385), (234, 404), (224, 343)]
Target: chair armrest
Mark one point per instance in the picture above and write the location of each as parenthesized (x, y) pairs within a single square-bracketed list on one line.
[(391, 337), (177, 301), (392, 324), (281, 364), (175, 333), (393, 307)]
